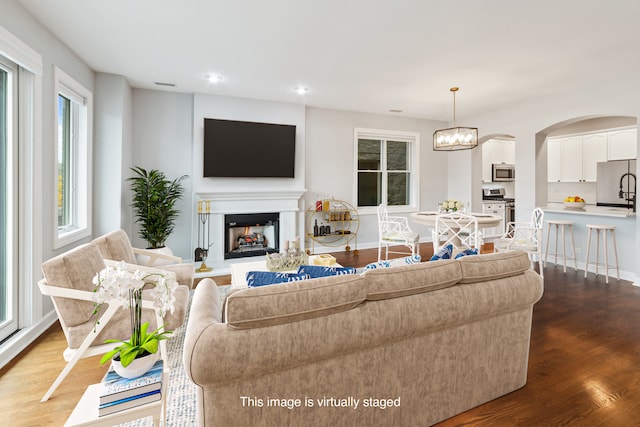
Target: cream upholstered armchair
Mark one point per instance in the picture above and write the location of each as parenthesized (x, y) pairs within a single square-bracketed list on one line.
[(524, 236), (394, 230), (116, 246), (68, 281)]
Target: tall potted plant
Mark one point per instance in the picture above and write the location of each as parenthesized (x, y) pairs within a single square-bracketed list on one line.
[(154, 200)]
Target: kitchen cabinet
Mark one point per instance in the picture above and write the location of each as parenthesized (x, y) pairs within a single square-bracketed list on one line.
[(496, 151), (494, 208), (622, 144), (575, 158)]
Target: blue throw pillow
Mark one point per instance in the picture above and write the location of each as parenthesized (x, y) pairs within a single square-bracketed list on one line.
[(322, 271), (443, 253), (467, 252), (262, 278), (394, 262)]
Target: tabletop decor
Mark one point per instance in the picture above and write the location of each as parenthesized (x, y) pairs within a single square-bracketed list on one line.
[(450, 205), (125, 286)]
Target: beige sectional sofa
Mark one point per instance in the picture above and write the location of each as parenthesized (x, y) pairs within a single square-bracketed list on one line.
[(405, 346)]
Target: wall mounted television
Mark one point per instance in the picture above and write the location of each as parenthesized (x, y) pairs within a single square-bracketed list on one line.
[(240, 149)]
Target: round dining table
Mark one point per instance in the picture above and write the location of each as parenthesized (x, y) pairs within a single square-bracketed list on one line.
[(484, 220)]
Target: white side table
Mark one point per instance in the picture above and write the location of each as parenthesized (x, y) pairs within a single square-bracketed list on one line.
[(86, 411)]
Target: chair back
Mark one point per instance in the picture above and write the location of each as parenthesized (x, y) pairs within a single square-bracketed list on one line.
[(458, 229), (116, 246), (537, 218), (74, 269)]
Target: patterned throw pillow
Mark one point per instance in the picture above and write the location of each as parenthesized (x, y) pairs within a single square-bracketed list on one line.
[(322, 271), (263, 278), (443, 253), (467, 252), (414, 259)]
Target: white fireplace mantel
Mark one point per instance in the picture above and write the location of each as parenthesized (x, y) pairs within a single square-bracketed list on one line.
[(285, 202)]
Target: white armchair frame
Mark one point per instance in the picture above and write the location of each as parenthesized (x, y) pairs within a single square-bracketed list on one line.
[(458, 229), (395, 230), (86, 349), (524, 236)]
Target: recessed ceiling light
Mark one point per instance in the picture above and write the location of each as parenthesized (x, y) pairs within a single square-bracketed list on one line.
[(213, 78), (301, 90)]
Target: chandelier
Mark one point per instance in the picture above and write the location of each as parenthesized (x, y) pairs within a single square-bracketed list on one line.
[(455, 138)]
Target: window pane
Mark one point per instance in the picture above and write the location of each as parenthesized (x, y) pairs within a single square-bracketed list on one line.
[(64, 162), (5, 303), (369, 188), (397, 156), (398, 190), (369, 154)]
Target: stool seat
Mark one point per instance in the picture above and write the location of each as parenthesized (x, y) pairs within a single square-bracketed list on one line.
[(605, 229), (558, 223)]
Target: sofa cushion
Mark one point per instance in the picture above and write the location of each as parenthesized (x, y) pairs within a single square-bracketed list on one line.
[(316, 271), (263, 278), (443, 253), (466, 252), (396, 262), (493, 266), (294, 301), (411, 279)]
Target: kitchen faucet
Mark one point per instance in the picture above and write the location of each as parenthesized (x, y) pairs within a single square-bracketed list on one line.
[(621, 193)]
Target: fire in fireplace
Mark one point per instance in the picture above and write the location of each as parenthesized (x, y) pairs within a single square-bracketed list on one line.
[(249, 235)]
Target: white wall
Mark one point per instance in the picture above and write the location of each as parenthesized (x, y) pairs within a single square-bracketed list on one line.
[(111, 154), (163, 140), (330, 160)]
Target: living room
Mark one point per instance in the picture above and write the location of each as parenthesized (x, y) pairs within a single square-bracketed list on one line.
[(137, 125)]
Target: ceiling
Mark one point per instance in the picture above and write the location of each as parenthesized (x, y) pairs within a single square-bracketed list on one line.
[(356, 55)]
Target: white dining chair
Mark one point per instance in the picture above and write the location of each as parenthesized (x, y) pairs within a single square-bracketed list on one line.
[(458, 229), (524, 236), (395, 230)]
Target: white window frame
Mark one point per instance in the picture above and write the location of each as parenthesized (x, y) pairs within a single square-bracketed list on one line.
[(413, 138), (81, 160)]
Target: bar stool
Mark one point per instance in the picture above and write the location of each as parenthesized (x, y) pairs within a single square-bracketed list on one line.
[(561, 224), (604, 228)]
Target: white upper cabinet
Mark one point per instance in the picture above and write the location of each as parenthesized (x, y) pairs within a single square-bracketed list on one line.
[(496, 151), (623, 144), (575, 158), (594, 150)]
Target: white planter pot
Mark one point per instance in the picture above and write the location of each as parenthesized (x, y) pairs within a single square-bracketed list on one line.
[(137, 368), (144, 260)]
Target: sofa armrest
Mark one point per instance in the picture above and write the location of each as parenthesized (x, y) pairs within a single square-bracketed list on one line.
[(205, 312)]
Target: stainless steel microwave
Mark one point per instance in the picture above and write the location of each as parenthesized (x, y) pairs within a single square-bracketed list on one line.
[(502, 172)]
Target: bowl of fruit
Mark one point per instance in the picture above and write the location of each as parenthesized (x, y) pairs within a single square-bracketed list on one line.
[(574, 202)]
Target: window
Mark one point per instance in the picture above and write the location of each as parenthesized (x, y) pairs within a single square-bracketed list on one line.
[(387, 172), (73, 160), (8, 199)]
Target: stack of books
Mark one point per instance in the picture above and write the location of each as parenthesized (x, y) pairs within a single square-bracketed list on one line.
[(118, 394)]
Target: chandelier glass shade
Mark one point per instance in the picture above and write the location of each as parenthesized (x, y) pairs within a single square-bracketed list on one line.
[(457, 137)]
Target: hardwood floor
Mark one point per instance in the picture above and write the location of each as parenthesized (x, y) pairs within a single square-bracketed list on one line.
[(583, 364)]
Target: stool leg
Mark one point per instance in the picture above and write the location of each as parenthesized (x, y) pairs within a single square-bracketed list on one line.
[(573, 246), (564, 251), (606, 258), (546, 252), (586, 265), (615, 252), (597, 250)]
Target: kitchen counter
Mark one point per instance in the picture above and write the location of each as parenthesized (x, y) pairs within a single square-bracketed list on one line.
[(623, 219), (590, 210)]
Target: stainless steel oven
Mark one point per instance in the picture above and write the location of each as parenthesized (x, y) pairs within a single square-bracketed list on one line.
[(501, 172)]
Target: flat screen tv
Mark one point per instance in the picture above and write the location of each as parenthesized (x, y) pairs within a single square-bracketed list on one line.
[(248, 149)]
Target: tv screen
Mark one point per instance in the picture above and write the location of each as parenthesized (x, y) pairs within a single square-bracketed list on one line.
[(248, 149)]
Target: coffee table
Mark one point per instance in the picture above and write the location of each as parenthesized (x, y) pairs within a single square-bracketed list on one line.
[(239, 271)]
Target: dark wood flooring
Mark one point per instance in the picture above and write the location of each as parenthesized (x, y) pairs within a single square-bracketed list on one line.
[(584, 363)]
